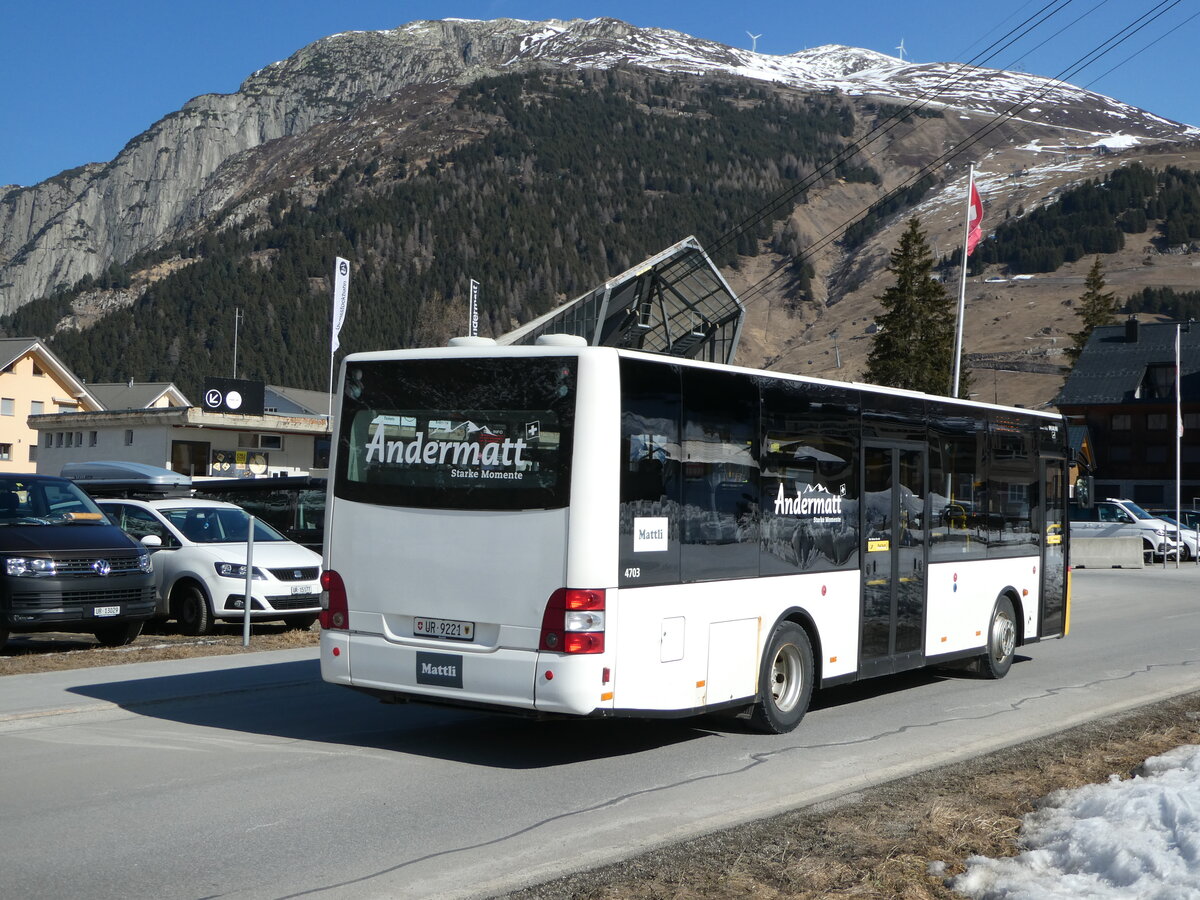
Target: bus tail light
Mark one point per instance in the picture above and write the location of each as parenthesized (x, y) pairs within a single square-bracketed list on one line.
[(573, 621), (335, 608)]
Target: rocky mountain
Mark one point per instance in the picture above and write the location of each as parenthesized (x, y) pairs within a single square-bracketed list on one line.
[(360, 97), (196, 162)]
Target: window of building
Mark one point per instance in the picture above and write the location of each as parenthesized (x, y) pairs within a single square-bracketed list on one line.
[(49, 439), (1122, 422), (37, 370), (1156, 453), (5, 451), (1158, 382), (93, 437), (1156, 421), (33, 451), (260, 441), (66, 407), (79, 439), (69, 440), (1191, 420), (58, 439), (1119, 454), (128, 437), (36, 407), (7, 406)]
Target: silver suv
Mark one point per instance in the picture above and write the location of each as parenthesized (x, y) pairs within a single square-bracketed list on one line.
[(1113, 516)]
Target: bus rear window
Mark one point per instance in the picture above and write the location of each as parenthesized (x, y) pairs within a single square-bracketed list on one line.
[(490, 434)]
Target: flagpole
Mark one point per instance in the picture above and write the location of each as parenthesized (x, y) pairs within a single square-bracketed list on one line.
[(962, 285), (1178, 442)]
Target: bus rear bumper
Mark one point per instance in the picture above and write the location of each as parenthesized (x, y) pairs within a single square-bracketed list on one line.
[(454, 673), (464, 675)]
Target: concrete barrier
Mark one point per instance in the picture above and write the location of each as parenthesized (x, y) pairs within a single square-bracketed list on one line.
[(1107, 552)]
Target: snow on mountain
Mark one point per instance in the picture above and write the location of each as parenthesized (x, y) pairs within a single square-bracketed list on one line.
[(605, 43)]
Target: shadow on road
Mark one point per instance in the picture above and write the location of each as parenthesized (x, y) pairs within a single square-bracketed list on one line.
[(289, 700)]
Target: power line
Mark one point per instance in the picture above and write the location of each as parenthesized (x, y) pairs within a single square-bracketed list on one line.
[(1091, 56)]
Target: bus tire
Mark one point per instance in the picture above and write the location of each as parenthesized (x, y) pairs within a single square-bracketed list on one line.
[(785, 682), (191, 609), (1002, 640)]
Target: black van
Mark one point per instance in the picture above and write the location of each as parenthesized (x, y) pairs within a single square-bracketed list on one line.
[(65, 566)]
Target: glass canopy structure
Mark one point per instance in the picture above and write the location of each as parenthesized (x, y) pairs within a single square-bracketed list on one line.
[(675, 303)]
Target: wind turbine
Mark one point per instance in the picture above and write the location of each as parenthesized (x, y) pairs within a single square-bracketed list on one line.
[(753, 42), (901, 49)]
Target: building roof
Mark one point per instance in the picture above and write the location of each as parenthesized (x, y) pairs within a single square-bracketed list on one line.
[(1134, 362), (12, 349), (136, 395), (294, 401)]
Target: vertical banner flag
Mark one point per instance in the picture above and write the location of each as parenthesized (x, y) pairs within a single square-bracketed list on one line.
[(341, 296), (473, 320), (1178, 386), (974, 232)]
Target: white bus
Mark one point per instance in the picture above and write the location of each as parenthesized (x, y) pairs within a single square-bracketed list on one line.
[(561, 529)]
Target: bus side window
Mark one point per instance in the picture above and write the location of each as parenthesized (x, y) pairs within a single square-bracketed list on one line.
[(810, 458), (720, 476), (650, 474)]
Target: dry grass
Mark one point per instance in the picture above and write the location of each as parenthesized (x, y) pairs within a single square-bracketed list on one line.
[(882, 845), (28, 653)]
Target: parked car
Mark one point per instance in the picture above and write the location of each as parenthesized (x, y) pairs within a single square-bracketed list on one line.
[(1189, 517), (294, 504), (199, 550), (1113, 516), (66, 567)]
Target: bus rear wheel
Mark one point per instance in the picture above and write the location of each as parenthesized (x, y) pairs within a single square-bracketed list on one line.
[(785, 681), (1002, 640)]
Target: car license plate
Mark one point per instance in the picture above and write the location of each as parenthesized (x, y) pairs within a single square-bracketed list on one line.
[(301, 589), (100, 611), (448, 629)]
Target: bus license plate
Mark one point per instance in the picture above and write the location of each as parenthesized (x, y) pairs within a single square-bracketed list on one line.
[(101, 611), (448, 629)]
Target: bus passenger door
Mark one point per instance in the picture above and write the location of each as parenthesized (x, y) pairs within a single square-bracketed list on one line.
[(1053, 525), (894, 536)]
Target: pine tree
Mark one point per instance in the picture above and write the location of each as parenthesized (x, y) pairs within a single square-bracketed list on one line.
[(914, 346), (1096, 307)]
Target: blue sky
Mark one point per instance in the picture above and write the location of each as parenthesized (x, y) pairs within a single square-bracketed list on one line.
[(80, 79)]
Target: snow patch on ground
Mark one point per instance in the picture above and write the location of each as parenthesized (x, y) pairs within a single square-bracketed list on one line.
[(1137, 839)]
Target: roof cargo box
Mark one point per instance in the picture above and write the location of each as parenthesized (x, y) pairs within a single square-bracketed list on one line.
[(117, 478)]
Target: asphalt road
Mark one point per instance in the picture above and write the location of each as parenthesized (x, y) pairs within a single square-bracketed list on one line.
[(248, 777)]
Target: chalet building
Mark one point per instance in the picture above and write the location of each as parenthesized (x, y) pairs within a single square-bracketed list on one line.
[(1122, 391), (33, 381)]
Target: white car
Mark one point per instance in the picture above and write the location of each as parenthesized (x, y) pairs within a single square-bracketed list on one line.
[(199, 553)]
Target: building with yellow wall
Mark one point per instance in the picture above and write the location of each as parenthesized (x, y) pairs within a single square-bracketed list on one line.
[(33, 382)]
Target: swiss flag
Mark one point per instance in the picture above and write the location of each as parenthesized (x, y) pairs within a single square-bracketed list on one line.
[(974, 233)]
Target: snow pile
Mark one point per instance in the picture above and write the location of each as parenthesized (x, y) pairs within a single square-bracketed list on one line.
[(1123, 840)]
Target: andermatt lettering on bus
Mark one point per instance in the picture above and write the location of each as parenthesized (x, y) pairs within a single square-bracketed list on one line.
[(505, 454), (823, 504)]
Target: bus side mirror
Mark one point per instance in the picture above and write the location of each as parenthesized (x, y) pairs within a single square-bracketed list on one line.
[(1083, 491)]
